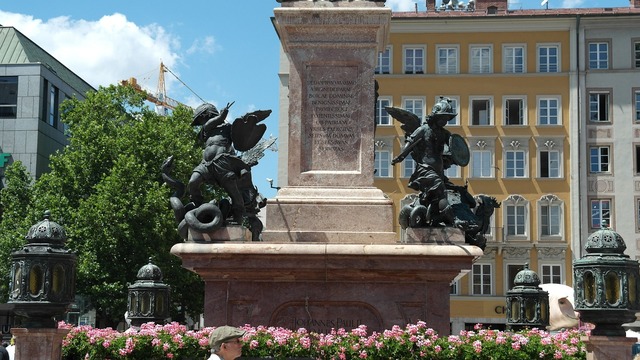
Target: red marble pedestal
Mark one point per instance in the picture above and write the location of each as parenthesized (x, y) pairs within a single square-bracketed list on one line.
[(325, 286), (41, 344), (609, 347)]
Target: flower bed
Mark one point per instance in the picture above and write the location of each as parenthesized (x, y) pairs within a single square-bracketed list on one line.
[(415, 341)]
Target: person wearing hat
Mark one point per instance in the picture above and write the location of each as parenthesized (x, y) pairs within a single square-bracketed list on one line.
[(226, 343)]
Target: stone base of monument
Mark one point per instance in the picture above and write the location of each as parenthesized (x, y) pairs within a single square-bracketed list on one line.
[(441, 235), (226, 233), (325, 286), (609, 347), (330, 215), (32, 343)]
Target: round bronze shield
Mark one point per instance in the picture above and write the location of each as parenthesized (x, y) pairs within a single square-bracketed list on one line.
[(459, 150)]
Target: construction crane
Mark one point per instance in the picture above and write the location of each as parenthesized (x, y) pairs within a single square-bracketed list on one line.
[(160, 99)]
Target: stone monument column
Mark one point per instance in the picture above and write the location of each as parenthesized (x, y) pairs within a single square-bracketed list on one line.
[(332, 47)]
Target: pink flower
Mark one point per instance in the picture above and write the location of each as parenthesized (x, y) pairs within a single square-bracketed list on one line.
[(477, 346)]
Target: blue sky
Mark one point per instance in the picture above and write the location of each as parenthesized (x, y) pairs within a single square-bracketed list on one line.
[(222, 50)]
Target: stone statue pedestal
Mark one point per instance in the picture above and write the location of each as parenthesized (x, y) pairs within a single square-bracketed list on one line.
[(328, 194), (41, 344), (325, 286), (609, 347), (225, 233)]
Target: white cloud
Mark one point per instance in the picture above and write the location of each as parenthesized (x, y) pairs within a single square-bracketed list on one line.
[(205, 45), (401, 5), (101, 52)]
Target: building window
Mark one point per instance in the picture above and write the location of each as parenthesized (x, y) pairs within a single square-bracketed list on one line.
[(637, 214), (600, 211), (515, 163), (548, 111), (382, 116), (408, 166), (481, 279), (414, 60), (414, 105), (53, 106), (447, 59), (636, 105), (636, 54), (551, 274), (550, 220), (382, 163), (481, 163), (599, 157), (550, 207), (452, 172), (515, 217), (599, 106), (637, 169), (598, 55), (453, 290), (514, 59), (8, 97), (481, 62), (549, 161), (514, 111), (481, 111), (516, 220), (384, 62), (548, 58)]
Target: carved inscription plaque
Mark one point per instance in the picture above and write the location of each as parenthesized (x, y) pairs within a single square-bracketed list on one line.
[(321, 317), (331, 135)]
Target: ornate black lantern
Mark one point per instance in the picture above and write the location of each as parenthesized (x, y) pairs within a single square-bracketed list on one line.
[(148, 297), (43, 276), (606, 284), (527, 303)]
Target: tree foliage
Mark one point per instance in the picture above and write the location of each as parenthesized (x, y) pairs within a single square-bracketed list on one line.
[(15, 198), (106, 189)]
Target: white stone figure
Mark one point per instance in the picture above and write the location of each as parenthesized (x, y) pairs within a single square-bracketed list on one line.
[(562, 314)]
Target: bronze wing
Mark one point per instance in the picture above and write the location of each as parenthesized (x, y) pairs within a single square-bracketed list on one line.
[(246, 131), (410, 121)]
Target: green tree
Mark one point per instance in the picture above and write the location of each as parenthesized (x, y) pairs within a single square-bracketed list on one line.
[(15, 198), (106, 189)]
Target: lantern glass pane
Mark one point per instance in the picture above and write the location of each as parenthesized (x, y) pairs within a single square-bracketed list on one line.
[(545, 311), (632, 289), (159, 304), (133, 304), (589, 288), (35, 280), (58, 280), (17, 280), (530, 309), (515, 310), (612, 287), (145, 303)]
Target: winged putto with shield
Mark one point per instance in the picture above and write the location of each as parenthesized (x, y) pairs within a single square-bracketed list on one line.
[(440, 202)]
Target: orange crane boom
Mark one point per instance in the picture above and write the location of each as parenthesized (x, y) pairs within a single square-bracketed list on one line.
[(160, 98)]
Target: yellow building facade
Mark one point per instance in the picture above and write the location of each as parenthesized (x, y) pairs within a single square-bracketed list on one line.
[(510, 80)]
